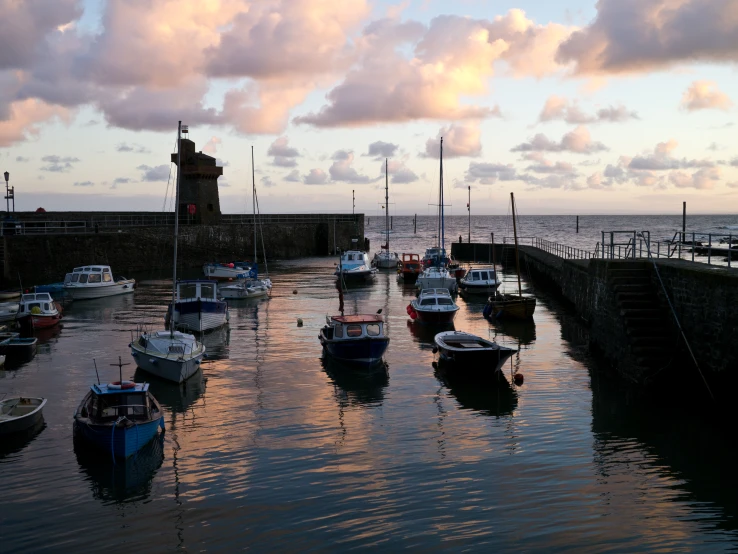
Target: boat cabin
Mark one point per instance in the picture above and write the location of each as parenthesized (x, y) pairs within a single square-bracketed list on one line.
[(354, 258), (411, 263), (192, 290), (435, 256), (430, 298), (92, 274), (36, 303), (354, 327), (111, 401), (481, 276)]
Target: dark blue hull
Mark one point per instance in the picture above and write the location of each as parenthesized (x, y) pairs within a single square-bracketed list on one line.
[(364, 352), (123, 441)]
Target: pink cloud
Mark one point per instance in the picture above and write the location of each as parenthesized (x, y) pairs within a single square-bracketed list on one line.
[(705, 95), (459, 139)]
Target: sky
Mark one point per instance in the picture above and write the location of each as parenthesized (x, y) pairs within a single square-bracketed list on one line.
[(578, 107)]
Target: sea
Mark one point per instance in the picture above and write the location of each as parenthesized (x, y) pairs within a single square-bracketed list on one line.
[(270, 447)]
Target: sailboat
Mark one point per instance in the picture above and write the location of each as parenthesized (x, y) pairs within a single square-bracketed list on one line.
[(170, 354), (435, 274), (251, 287), (384, 258), (511, 305)]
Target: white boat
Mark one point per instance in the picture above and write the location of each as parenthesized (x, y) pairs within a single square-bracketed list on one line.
[(225, 271), (19, 414), (433, 306), (8, 311), (384, 258), (38, 311), (169, 354), (197, 307), (354, 266), (436, 278), (250, 288), (174, 356), (95, 281), (480, 280)]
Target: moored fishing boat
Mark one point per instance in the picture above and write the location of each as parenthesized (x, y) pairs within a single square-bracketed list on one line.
[(433, 306), (226, 271), (20, 413), (354, 266), (408, 269), (119, 418), (437, 278), (10, 294), (16, 348), (384, 258), (249, 288), (197, 307), (38, 311), (8, 311), (471, 355), (51, 288), (356, 339), (96, 281), (479, 280)]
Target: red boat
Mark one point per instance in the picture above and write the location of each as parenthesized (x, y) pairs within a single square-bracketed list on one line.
[(433, 306), (409, 267), (38, 311)]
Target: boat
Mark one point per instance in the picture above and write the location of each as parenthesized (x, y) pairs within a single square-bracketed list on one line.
[(479, 280), (251, 287), (408, 268), (226, 271), (433, 306), (20, 414), (16, 348), (470, 354), (354, 266), (8, 311), (356, 339), (96, 281), (51, 288), (119, 418), (10, 294), (38, 311), (172, 356), (169, 354), (511, 305), (197, 307), (437, 278), (384, 258), (435, 274)]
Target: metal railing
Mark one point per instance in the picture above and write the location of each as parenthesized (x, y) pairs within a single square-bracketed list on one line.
[(554, 248)]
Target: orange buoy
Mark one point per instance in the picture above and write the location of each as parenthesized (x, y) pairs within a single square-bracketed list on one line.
[(518, 379)]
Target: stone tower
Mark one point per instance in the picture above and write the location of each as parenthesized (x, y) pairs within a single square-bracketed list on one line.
[(198, 187)]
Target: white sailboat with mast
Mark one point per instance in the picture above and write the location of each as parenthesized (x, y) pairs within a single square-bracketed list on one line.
[(252, 286), (170, 354), (435, 274), (384, 258)]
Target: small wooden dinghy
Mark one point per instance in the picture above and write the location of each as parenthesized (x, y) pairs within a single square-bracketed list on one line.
[(19, 414), (510, 306), (470, 354)]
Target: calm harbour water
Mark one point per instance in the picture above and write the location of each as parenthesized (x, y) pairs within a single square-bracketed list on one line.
[(271, 448)]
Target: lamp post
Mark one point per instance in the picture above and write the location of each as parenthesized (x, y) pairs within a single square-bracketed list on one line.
[(7, 192)]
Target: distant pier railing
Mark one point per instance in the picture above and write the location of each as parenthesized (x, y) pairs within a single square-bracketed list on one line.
[(555, 248)]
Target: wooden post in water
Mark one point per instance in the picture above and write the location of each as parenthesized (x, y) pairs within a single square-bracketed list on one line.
[(515, 234), (468, 209), (577, 224), (415, 225), (684, 220), (391, 221), (494, 262)]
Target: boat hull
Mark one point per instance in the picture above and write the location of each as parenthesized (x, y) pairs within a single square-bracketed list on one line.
[(231, 294), (39, 321), (121, 440), (513, 307), (470, 288), (357, 276), (102, 291), (19, 349), (200, 316), (168, 368), (9, 426), (386, 263), (435, 317), (471, 356), (365, 352)]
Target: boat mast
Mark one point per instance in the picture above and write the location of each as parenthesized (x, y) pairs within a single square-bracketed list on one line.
[(515, 234), (176, 226), (443, 230), (253, 197), (386, 203)]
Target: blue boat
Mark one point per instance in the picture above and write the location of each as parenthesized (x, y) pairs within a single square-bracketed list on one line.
[(52, 288), (356, 339), (119, 418)]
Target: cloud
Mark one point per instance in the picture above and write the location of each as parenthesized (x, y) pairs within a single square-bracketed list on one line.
[(459, 139), (379, 150), (284, 155), (84, 184), (315, 177), (154, 174), (661, 160), (21, 120), (637, 36), (122, 181), (342, 171), (293, 176), (266, 181), (221, 163), (578, 141), (21, 159), (702, 179), (552, 167), (489, 173), (58, 164), (135, 148), (704, 95), (211, 146), (733, 185), (399, 173), (560, 108)]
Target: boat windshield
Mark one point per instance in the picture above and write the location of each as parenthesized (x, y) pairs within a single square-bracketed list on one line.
[(445, 302), (372, 330), (113, 406)]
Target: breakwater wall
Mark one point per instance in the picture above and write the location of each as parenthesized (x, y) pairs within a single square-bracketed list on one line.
[(627, 311), (44, 249)]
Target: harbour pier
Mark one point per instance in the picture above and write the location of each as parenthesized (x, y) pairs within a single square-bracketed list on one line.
[(651, 318)]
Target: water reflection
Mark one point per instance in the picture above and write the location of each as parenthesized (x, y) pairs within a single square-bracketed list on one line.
[(178, 398), (424, 334), (522, 332), (127, 480), (217, 343), (15, 442), (493, 396), (356, 386)]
